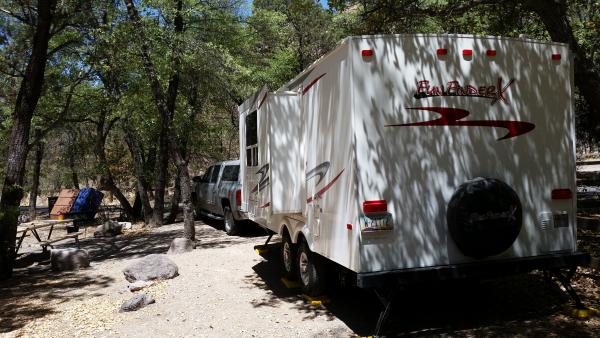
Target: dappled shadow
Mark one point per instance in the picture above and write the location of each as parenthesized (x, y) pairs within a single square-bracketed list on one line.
[(32, 293), (522, 304)]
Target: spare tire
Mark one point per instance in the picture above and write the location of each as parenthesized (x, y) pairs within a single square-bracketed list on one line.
[(484, 217)]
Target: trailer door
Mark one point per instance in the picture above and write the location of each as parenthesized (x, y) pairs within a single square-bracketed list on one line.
[(286, 155)]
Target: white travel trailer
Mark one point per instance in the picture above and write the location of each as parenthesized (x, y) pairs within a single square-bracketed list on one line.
[(412, 157)]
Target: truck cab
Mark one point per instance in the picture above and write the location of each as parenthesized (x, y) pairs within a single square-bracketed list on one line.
[(218, 194)]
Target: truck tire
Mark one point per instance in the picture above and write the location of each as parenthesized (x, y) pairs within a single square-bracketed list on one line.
[(288, 256), (310, 271), (229, 223), (484, 217)]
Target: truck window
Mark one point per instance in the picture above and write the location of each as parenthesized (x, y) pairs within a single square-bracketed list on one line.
[(251, 139), (230, 173), (215, 174), (205, 178)]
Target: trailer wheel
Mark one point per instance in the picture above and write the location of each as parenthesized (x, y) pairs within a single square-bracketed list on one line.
[(288, 256), (484, 217), (310, 270), (230, 224)]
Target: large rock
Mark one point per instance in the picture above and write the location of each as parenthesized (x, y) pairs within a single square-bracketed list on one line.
[(69, 259), (108, 229), (151, 267), (137, 302), (181, 245)]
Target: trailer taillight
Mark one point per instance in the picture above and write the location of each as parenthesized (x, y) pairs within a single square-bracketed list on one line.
[(556, 57), (366, 52), (441, 51), (467, 52), (490, 52), (562, 194), (372, 207), (238, 197)]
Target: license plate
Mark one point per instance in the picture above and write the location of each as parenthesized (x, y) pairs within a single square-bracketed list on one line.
[(376, 223)]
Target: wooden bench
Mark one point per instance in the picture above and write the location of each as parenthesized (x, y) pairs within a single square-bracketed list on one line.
[(49, 242)]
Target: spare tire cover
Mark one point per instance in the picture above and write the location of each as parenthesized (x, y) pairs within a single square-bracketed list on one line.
[(484, 217)]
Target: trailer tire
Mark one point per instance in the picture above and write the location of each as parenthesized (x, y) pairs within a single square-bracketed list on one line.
[(484, 217), (310, 271), (229, 223), (288, 256)]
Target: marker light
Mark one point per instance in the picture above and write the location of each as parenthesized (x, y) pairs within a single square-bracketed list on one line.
[(441, 51), (366, 52)]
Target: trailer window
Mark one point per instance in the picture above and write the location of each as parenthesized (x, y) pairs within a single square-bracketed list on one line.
[(230, 173), (215, 174), (251, 139)]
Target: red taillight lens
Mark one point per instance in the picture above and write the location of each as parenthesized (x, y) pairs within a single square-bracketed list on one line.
[(562, 194), (238, 197), (556, 57), (366, 52), (441, 51), (370, 207), (490, 52), (467, 52)]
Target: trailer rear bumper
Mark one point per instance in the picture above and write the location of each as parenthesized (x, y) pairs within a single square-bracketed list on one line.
[(486, 269)]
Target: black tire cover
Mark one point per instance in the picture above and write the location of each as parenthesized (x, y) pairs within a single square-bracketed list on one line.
[(484, 217)]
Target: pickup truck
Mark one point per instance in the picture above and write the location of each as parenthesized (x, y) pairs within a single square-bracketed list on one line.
[(218, 195)]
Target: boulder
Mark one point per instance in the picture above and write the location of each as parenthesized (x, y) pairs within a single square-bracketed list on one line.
[(136, 286), (69, 259), (136, 302), (181, 245), (151, 267), (108, 229)]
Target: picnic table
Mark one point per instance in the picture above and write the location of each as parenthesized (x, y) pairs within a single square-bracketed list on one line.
[(25, 229)]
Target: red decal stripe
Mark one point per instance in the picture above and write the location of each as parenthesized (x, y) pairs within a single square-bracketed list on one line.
[(451, 117), (312, 83), (325, 188), (266, 205)]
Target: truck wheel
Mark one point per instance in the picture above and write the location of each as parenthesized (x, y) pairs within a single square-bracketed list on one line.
[(288, 256), (230, 224), (310, 270)]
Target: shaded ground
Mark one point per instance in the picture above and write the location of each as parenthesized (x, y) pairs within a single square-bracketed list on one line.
[(225, 289)]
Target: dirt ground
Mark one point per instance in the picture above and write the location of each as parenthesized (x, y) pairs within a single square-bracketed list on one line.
[(225, 289)]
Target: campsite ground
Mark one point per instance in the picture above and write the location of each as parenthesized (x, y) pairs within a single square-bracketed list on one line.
[(226, 289)]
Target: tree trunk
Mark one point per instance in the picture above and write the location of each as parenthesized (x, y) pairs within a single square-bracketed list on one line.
[(162, 170), (27, 99), (35, 177), (554, 16), (138, 166), (175, 198), (107, 178), (165, 115), (72, 167)]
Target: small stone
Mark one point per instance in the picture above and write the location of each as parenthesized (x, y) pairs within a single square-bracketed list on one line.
[(137, 302), (108, 229), (136, 286), (69, 259), (151, 267), (181, 245)]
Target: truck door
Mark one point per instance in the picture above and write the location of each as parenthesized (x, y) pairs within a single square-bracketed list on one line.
[(202, 191), (213, 190)]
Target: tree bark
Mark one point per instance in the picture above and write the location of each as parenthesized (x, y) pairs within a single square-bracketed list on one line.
[(27, 99), (107, 177), (165, 114), (175, 199), (138, 166), (35, 177), (554, 16), (72, 167)]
